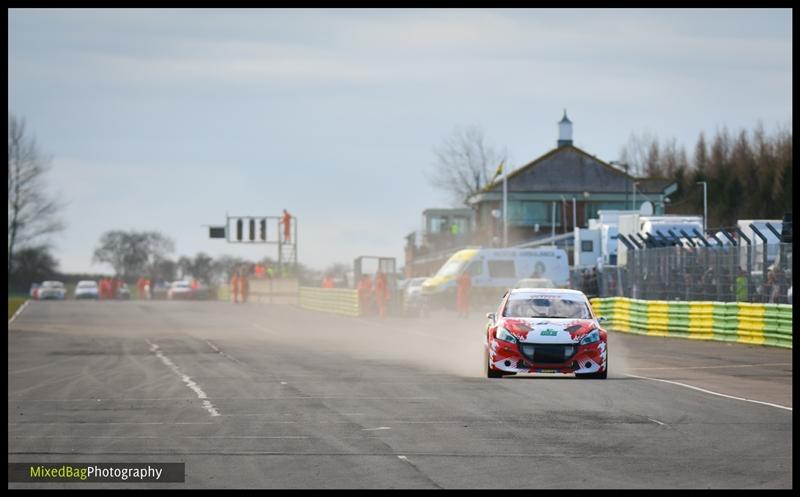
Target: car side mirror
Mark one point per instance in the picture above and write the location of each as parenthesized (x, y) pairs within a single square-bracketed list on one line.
[(600, 319), (490, 315)]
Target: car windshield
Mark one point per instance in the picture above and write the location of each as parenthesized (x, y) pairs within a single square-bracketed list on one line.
[(417, 282), (527, 305), (451, 268), (180, 284), (87, 284), (52, 284)]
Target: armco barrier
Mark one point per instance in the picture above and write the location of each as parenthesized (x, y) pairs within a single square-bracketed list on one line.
[(338, 300), (755, 324)]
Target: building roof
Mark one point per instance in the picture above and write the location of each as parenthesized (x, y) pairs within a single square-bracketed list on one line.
[(570, 169)]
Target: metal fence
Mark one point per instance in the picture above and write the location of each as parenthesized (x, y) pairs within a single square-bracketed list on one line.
[(723, 273)]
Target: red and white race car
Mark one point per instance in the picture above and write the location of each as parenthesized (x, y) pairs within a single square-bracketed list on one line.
[(543, 330)]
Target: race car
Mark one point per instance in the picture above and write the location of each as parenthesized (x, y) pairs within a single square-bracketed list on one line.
[(544, 330)]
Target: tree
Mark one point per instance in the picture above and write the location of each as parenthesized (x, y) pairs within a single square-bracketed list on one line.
[(163, 269), (184, 266), (201, 267), (465, 164), (223, 267), (32, 264), (131, 254), (637, 153), (32, 213)]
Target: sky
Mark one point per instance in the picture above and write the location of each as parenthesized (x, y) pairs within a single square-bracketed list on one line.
[(170, 119)]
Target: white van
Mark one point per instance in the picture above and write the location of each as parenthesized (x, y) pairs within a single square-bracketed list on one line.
[(494, 271)]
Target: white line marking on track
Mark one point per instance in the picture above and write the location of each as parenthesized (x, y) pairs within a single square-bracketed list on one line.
[(287, 437), (402, 458), (19, 311), (710, 392), (657, 421), (378, 428), (207, 405), (715, 367)]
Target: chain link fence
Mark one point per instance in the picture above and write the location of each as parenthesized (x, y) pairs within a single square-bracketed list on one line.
[(725, 273)]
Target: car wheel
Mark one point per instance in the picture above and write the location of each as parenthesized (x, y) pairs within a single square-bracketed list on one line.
[(489, 372)]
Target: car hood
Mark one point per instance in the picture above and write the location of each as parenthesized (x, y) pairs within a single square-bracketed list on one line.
[(543, 330)]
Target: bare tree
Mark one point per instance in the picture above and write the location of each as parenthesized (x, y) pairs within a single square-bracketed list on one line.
[(32, 214), (638, 152), (465, 164), (132, 253)]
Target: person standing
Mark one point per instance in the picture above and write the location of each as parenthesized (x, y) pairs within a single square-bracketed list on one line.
[(381, 292), (463, 294), (364, 294), (114, 287), (286, 221), (235, 286)]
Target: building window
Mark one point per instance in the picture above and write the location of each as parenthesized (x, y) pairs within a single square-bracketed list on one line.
[(528, 213), (502, 269), (587, 245)]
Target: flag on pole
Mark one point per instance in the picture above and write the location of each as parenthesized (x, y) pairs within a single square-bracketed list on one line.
[(499, 170)]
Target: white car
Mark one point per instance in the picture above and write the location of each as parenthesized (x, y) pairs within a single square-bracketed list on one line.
[(179, 290), (52, 290), (412, 296), (87, 289)]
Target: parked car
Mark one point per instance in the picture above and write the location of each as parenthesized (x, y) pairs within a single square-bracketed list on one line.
[(412, 297), (87, 289), (545, 331), (179, 290), (123, 292), (52, 290), (158, 290), (535, 283)]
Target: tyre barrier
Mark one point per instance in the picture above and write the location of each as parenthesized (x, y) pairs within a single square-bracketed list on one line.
[(755, 324), (338, 300)]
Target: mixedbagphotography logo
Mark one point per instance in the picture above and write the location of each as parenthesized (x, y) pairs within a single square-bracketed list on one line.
[(96, 472)]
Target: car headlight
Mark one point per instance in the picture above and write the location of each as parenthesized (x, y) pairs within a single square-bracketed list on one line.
[(505, 335), (591, 337)]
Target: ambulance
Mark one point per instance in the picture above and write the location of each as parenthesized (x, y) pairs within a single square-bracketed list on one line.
[(494, 271)]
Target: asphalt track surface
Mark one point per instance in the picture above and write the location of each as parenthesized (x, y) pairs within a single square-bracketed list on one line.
[(266, 396)]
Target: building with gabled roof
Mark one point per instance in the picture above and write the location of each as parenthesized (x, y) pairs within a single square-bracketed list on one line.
[(561, 189)]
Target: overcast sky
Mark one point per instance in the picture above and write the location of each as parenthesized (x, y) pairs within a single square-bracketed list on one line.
[(166, 119)]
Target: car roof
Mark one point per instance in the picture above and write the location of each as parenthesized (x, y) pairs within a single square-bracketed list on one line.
[(550, 291), (53, 283)]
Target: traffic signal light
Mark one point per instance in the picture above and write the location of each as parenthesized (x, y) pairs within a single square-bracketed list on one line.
[(239, 226), (263, 230), (252, 229)]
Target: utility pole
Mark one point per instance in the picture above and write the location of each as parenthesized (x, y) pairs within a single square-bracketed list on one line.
[(505, 210), (705, 205)]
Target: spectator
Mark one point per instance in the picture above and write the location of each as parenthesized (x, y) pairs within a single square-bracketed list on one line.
[(741, 286)]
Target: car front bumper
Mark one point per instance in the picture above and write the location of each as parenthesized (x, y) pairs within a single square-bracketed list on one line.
[(547, 358)]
